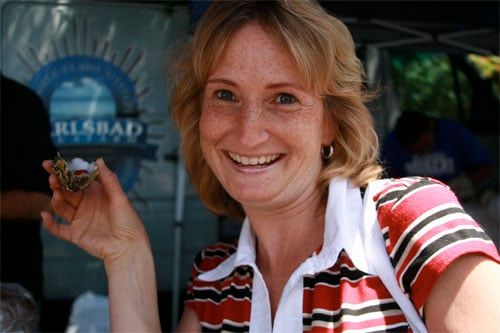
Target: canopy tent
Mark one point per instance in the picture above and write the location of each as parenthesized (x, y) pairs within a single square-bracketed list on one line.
[(470, 26), (456, 26)]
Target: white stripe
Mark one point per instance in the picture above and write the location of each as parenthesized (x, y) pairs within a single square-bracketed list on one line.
[(225, 321), (214, 327), (235, 323)]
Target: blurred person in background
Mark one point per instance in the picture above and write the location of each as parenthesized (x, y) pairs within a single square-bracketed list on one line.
[(439, 148), (25, 143)]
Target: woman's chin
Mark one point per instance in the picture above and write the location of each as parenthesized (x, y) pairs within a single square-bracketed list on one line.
[(251, 196)]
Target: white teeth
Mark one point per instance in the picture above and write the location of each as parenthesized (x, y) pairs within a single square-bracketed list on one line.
[(260, 160)]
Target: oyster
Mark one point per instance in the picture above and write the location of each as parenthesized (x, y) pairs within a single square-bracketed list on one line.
[(75, 175)]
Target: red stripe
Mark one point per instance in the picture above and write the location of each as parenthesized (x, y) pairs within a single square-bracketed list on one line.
[(432, 271), (214, 314), (332, 298)]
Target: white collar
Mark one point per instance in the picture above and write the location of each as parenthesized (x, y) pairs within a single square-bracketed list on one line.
[(344, 218)]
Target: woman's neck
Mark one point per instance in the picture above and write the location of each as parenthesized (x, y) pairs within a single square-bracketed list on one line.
[(291, 231), (284, 239)]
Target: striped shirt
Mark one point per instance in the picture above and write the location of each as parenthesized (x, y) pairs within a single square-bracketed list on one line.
[(424, 227)]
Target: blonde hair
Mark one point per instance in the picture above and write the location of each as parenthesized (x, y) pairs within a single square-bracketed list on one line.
[(324, 52)]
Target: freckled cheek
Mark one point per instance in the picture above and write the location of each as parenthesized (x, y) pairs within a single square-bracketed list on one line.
[(212, 125), (207, 132)]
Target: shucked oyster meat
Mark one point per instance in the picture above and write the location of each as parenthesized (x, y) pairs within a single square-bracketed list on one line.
[(75, 175)]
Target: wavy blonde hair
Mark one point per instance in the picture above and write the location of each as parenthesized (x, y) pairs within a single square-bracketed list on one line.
[(324, 53)]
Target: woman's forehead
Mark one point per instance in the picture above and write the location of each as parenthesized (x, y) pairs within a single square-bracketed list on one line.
[(252, 50)]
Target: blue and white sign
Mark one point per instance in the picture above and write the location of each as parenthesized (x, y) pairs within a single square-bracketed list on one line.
[(93, 109)]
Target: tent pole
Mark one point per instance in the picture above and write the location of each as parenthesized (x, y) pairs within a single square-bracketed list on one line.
[(178, 225)]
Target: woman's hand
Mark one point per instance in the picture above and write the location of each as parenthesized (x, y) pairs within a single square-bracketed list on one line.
[(101, 219)]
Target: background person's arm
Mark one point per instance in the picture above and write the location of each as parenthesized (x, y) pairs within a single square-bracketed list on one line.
[(27, 205)]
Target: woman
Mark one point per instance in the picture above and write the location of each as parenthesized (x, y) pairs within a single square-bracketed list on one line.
[(269, 103)]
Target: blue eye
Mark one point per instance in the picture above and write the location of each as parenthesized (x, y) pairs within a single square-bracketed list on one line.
[(225, 95), (285, 99)]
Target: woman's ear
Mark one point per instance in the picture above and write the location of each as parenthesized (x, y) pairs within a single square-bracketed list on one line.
[(329, 128)]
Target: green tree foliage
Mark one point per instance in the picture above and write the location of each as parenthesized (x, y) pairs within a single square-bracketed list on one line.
[(424, 82), (489, 68)]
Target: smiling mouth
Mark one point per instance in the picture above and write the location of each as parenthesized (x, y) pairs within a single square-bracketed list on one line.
[(262, 160)]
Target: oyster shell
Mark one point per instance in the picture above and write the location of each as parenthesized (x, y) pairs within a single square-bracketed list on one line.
[(75, 175)]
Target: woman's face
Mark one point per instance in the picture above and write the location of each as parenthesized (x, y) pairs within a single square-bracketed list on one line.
[(261, 130)]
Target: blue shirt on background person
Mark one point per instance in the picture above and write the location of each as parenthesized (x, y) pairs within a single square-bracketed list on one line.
[(439, 148)]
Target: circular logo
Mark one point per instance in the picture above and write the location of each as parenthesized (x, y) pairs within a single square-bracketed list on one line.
[(93, 110)]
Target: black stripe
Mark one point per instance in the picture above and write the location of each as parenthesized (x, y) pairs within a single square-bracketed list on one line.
[(198, 260), (307, 321), (386, 235), (219, 253), (388, 197), (362, 191), (398, 194), (333, 278), (243, 272), (438, 244), (409, 236), (402, 327), (218, 296)]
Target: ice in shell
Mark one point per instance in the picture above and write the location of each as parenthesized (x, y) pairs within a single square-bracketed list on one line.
[(75, 175)]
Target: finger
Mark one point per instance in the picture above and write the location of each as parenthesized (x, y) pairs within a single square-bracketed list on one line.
[(53, 182), (62, 207), (109, 180), (58, 230), (47, 165), (73, 198)]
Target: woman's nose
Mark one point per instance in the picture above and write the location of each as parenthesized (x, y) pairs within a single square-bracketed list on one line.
[(252, 125)]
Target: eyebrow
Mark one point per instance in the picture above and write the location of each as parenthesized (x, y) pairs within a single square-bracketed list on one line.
[(270, 86), (285, 85), (221, 80)]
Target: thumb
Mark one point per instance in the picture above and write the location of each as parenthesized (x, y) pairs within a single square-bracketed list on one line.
[(108, 179)]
